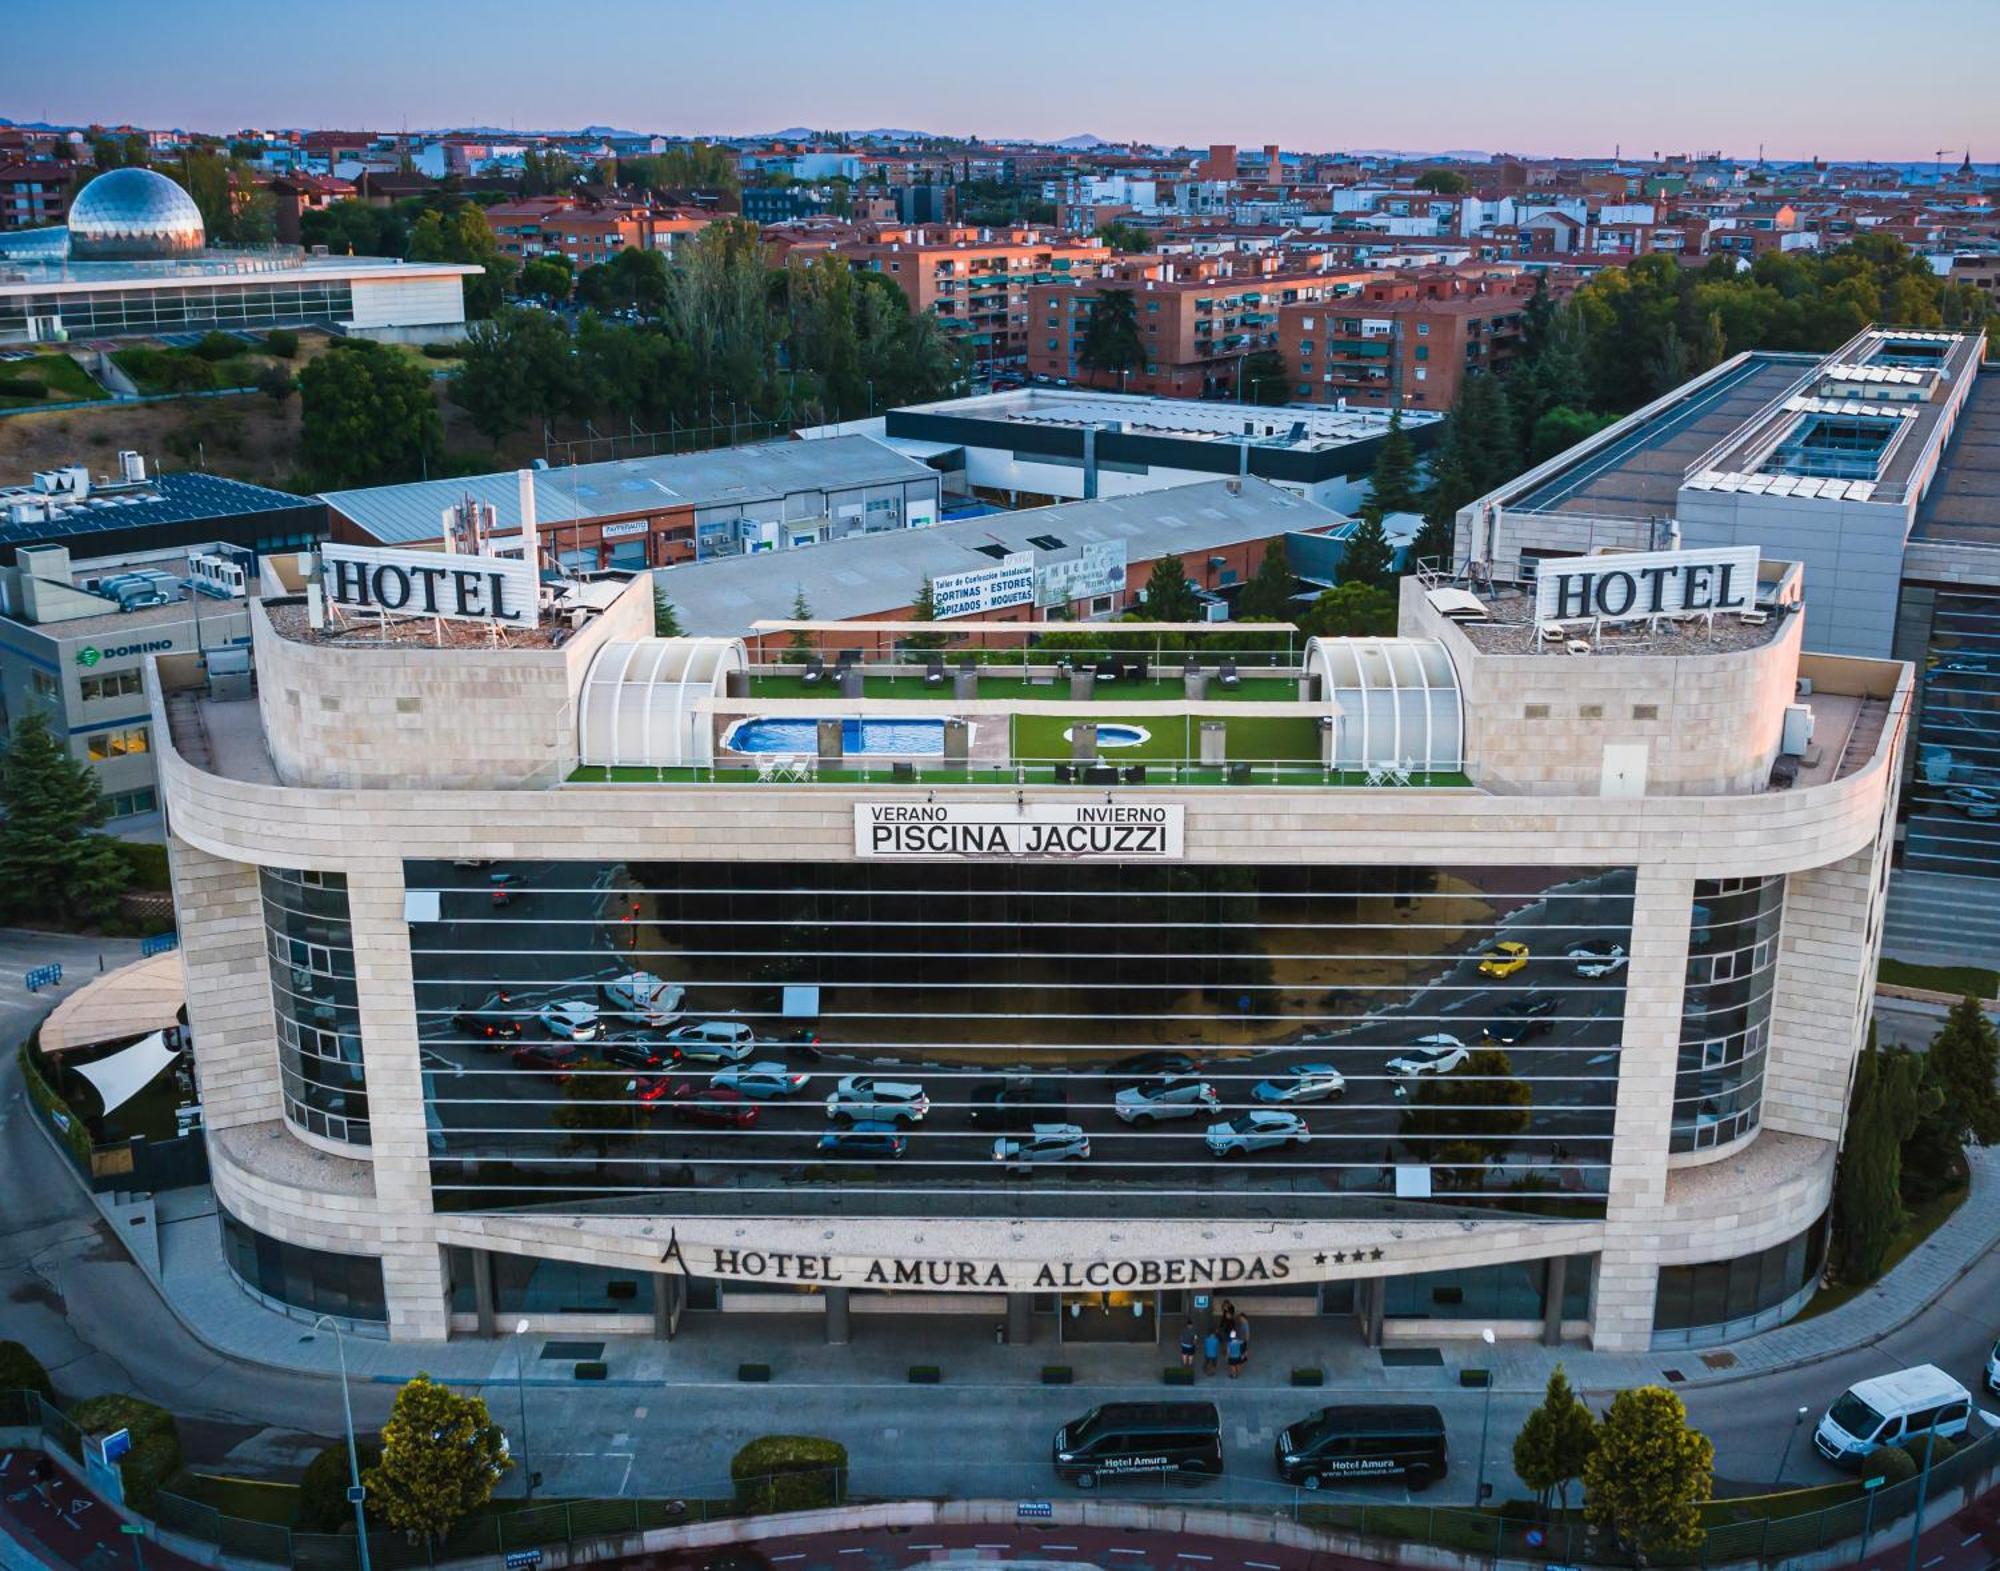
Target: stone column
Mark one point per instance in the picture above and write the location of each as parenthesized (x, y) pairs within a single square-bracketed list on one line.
[(220, 911), (669, 1298), (1655, 980), (1020, 1319), (837, 1333), (1553, 1285), (482, 1290)]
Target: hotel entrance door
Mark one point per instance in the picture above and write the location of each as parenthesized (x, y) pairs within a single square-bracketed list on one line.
[(1112, 1316)]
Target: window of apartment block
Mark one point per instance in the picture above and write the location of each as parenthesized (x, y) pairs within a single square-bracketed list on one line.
[(1423, 351), (1422, 374), (1423, 330)]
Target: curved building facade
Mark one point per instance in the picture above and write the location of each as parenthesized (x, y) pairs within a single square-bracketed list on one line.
[(1535, 1025), (134, 215)]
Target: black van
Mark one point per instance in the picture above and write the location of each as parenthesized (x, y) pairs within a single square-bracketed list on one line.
[(1343, 1444), (1140, 1440)]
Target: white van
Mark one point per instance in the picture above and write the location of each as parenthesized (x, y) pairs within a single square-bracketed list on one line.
[(645, 998), (1892, 1410)]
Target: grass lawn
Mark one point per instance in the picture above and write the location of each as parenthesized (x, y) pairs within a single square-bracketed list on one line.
[(66, 381), (1923, 1222), (156, 370), (1292, 738), (1956, 980), (252, 1499)]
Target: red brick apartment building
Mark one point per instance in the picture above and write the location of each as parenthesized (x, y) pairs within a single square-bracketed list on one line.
[(35, 193), (1197, 320), (1421, 335), (541, 225), (292, 195), (977, 282)]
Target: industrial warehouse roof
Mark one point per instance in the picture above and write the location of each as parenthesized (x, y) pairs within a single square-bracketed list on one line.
[(177, 497), (864, 574), (410, 514)]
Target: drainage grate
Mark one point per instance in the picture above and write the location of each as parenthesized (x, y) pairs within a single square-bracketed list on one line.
[(1674, 1376), (1412, 1358), (573, 1352), (1719, 1360)]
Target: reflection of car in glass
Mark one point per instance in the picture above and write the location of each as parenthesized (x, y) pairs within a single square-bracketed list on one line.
[(1263, 1129), (571, 1020), (1015, 1106), (564, 1056), (1597, 956), (486, 1020), (1044, 1143), (1504, 959), (505, 886), (645, 998), (1521, 1018), (1973, 801), (766, 1081), (1145, 1068), (633, 1050), (694, 1103), (1170, 1099), (1301, 1083), (713, 1042), (1431, 1055), (867, 1139), (864, 1099)]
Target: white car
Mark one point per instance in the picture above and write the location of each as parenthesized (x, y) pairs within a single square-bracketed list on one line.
[(763, 1082), (646, 998), (1597, 957), (1301, 1083), (864, 1098), (571, 1020), (1432, 1055), (1044, 1143), (1168, 1099), (712, 1042), (1993, 1368), (1261, 1129), (1973, 801)]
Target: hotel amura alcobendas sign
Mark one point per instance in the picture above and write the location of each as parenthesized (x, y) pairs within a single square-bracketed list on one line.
[(1628, 586), (376, 580), (1039, 831)]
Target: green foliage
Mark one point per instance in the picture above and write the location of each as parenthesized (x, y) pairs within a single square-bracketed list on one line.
[(217, 347), (1368, 558), (1891, 1464), (522, 363), (1392, 485), (21, 387), (146, 865), (1649, 1475), (282, 342), (1168, 596), (76, 1135), (598, 1105), (1466, 1116), (356, 228), (463, 235), (1561, 428), (1111, 344), (1443, 182), (924, 609), (544, 278), (156, 1447), (666, 620), (323, 1504), (276, 384), (801, 643), (1888, 1103), (789, 1473), (20, 1370), (1555, 1441), (697, 166), (1267, 597), (367, 417), (1128, 239), (52, 864), (1963, 1060), (1263, 378), (441, 1457), (1351, 610)]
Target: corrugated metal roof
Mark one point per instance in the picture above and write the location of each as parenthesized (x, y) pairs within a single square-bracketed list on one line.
[(409, 514)]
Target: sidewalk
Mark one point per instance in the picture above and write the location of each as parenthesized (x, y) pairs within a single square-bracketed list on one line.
[(206, 1298)]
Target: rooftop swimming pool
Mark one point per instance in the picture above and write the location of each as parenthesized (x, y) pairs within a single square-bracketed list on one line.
[(858, 737)]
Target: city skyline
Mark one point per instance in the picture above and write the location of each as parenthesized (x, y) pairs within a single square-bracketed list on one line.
[(1571, 80)]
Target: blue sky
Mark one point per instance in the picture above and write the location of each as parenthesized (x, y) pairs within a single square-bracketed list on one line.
[(1837, 78)]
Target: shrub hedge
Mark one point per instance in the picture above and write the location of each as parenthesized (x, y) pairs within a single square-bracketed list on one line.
[(20, 1370), (282, 342), (323, 1506), (789, 1473), (156, 1444)]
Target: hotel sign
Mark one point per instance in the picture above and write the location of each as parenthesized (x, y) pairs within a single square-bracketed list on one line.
[(1012, 582), (1629, 586), (378, 580), (1041, 831)]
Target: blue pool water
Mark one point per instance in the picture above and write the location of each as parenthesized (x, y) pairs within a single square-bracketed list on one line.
[(906, 738), (1110, 735)]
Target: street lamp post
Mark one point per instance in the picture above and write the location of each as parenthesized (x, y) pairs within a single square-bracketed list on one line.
[(1785, 1455), (355, 1493), (1485, 1424), (521, 1394), (1923, 1489)]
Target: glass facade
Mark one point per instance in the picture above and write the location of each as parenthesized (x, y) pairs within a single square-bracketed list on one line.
[(1300, 1042), (1954, 794), (315, 1281), (1726, 1014), (1721, 1300), (311, 945), (270, 300), (528, 1284), (1517, 1290)]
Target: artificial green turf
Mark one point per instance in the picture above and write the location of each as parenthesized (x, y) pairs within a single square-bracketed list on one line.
[(1039, 774), (1289, 738), (66, 381), (992, 684)]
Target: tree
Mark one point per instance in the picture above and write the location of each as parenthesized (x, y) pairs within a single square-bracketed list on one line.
[(547, 277), (1111, 344), (1268, 595), (1351, 611), (366, 416), (522, 362), (1555, 1441), (51, 859), (1443, 182), (1168, 596), (1367, 557), (1127, 239), (802, 611), (276, 384), (1392, 484), (1888, 1102), (1460, 1121), (441, 1456), (924, 609), (1649, 1475), (463, 235), (666, 620), (1959, 1105), (1262, 377)]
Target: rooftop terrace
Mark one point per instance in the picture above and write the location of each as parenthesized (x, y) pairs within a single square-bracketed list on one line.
[(1962, 506)]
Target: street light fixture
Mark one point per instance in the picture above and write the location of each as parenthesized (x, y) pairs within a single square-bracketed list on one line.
[(1485, 1424), (521, 1394), (1785, 1455), (355, 1493)]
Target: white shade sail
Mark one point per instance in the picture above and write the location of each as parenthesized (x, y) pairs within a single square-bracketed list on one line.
[(125, 1074)]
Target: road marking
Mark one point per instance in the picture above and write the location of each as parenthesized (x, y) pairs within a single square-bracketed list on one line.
[(800, 1556), (1935, 1560), (1184, 1555), (858, 1551), (1972, 1540), (992, 1546), (1125, 1551), (1070, 1547), (1260, 1565)]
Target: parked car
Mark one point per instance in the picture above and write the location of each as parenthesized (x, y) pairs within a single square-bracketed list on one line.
[(1302, 1083), (1597, 957), (642, 996), (504, 886), (1043, 1143), (763, 1082), (693, 1102), (1342, 1445), (1261, 1129), (1523, 1017), (1504, 959), (1166, 1099), (1973, 801), (712, 1042), (1430, 1055), (571, 1020), (1122, 1440), (864, 1139), (1145, 1068), (561, 1056), (864, 1099), (495, 1018), (1899, 1409), (635, 1050), (1015, 1106)]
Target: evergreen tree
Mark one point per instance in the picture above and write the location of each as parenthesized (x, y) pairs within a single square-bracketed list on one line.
[(1392, 486), (802, 611), (1888, 1102), (52, 862), (1268, 595), (1168, 596), (1367, 557), (666, 620), (1649, 1475), (1351, 611), (1111, 342), (924, 609), (1555, 1442), (1959, 1105), (1263, 378), (441, 1456)]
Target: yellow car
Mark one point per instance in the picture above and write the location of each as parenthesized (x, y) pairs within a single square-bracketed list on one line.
[(1504, 959)]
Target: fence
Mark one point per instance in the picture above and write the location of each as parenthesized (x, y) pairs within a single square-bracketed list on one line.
[(1512, 1534)]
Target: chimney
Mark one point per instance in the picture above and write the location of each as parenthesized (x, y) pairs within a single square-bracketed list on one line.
[(528, 520)]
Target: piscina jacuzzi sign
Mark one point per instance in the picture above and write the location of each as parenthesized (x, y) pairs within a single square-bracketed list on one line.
[(1043, 831)]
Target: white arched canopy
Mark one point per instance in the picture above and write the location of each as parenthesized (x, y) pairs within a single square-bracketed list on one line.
[(638, 701), (1395, 702)]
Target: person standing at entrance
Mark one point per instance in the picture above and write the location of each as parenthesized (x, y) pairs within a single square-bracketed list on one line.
[(1211, 1350), (1243, 1333), (1188, 1345), (1235, 1352)]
